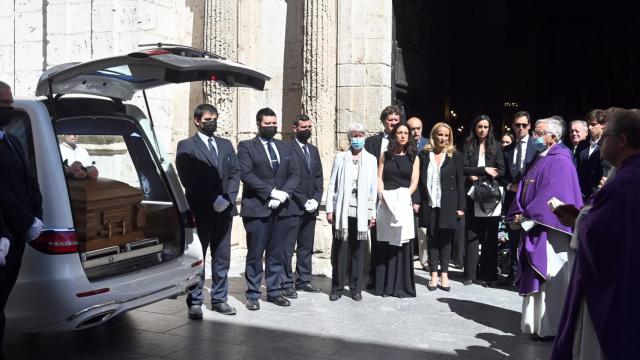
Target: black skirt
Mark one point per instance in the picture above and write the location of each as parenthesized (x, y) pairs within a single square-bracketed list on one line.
[(394, 270)]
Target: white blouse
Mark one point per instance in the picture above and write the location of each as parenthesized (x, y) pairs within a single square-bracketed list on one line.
[(433, 181)]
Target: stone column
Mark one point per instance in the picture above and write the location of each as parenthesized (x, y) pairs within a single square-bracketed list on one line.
[(319, 30), (220, 38)]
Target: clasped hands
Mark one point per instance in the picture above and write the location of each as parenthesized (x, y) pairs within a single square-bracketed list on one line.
[(277, 198)]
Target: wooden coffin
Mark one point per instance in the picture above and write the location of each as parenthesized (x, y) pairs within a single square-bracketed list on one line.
[(106, 213)]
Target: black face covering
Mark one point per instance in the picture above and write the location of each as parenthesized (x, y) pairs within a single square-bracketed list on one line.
[(6, 115), (209, 128), (303, 135), (268, 132)]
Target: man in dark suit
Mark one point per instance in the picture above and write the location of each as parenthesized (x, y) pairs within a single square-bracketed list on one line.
[(306, 199), (518, 155), (376, 145), (270, 173), (591, 168), (20, 202), (207, 167)]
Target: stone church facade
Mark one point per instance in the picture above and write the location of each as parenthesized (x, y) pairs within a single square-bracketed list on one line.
[(330, 59)]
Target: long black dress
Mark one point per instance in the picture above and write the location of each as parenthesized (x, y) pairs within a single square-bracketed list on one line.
[(394, 264)]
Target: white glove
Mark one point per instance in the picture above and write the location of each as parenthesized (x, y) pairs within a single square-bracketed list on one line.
[(35, 229), (220, 204), (311, 205), (273, 204), (4, 250), (279, 195)]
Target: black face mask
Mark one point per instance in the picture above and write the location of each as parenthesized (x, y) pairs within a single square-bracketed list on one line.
[(303, 135), (268, 132), (6, 115), (209, 128)]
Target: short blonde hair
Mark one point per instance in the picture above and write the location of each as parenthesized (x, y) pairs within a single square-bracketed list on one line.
[(431, 145)]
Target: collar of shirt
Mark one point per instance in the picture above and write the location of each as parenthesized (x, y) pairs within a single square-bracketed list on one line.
[(525, 139), (67, 146), (593, 142), (205, 140), (301, 144), (385, 135)]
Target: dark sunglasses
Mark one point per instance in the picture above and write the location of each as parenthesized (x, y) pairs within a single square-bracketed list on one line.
[(520, 125)]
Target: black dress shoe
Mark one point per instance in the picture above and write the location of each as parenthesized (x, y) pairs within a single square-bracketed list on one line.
[(356, 296), (253, 305), (195, 312), (467, 282), (335, 295), (290, 293), (223, 308), (445, 288), (278, 300), (371, 285), (308, 287), (431, 288)]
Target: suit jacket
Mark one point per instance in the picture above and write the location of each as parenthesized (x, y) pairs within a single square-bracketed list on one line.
[(471, 158), (20, 197), (4, 230), (590, 169), (452, 185), (310, 184), (203, 181), (511, 174), (259, 179), (373, 145)]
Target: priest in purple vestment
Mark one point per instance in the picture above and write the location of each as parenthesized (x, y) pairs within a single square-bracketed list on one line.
[(544, 256), (601, 318)]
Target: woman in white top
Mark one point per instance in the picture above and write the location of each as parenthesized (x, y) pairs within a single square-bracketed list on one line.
[(442, 190), (351, 197)]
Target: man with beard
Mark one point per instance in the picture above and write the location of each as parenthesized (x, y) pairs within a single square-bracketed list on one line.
[(306, 200), (270, 174), (207, 167)]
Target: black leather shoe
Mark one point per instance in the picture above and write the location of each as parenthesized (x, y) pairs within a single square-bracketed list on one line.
[(278, 300), (371, 285), (308, 287), (467, 282), (431, 288), (445, 288), (335, 295), (223, 308), (356, 296), (195, 312), (253, 305), (290, 293)]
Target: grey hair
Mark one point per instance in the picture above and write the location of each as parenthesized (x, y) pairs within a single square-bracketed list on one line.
[(355, 126), (582, 124), (554, 127)]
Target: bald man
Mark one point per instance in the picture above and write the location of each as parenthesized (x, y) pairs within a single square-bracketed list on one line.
[(415, 126)]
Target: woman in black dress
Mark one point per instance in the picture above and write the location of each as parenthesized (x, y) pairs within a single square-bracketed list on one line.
[(442, 191), (483, 158), (398, 175)]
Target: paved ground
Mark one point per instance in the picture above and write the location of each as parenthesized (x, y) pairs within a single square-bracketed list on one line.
[(470, 322)]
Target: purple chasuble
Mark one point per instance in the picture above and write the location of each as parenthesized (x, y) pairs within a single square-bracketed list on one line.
[(605, 273), (553, 175)]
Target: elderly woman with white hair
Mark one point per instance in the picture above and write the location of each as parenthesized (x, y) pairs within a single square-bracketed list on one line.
[(550, 180), (351, 199)]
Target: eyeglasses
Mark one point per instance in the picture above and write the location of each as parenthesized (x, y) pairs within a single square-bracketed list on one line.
[(516, 125)]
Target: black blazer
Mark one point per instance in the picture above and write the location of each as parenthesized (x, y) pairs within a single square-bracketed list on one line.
[(511, 174), (471, 158), (452, 185), (373, 145), (20, 197), (202, 180), (590, 169), (259, 180), (310, 184), (4, 230)]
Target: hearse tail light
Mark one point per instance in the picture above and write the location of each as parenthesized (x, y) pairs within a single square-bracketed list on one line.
[(92, 292), (56, 242), (197, 263), (156, 52)]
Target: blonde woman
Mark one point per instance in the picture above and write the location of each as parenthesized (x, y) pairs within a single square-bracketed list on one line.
[(442, 188)]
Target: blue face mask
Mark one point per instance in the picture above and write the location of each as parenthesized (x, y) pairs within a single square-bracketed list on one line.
[(357, 143), (538, 144)]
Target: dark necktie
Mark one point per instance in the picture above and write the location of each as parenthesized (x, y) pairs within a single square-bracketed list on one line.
[(214, 152), (519, 156), (272, 156), (307, 155)]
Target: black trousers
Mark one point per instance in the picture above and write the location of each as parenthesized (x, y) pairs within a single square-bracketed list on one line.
[(347, 260), (459, 243), (8, 276), (439, 243), (372, 256), (299, 239), (214, 231), (514, 241), (266, 238), (481, 231)]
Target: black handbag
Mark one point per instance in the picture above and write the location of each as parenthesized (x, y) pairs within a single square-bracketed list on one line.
[(487, 194)]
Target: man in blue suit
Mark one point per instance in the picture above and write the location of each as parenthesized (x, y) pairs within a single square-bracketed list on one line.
[(306, 199), (207, 167), (20, 203), (517, 156), (270, 174)]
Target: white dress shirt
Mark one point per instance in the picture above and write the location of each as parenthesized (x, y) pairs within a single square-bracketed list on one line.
[(205, 140), (72, 155)]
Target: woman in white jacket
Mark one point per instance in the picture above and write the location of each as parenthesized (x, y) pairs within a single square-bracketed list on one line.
[(351, 198)]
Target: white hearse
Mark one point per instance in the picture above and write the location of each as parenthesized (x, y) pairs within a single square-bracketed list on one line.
[(125, 239)]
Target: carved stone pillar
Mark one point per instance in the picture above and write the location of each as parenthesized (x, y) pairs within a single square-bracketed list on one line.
[(220, 38)]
